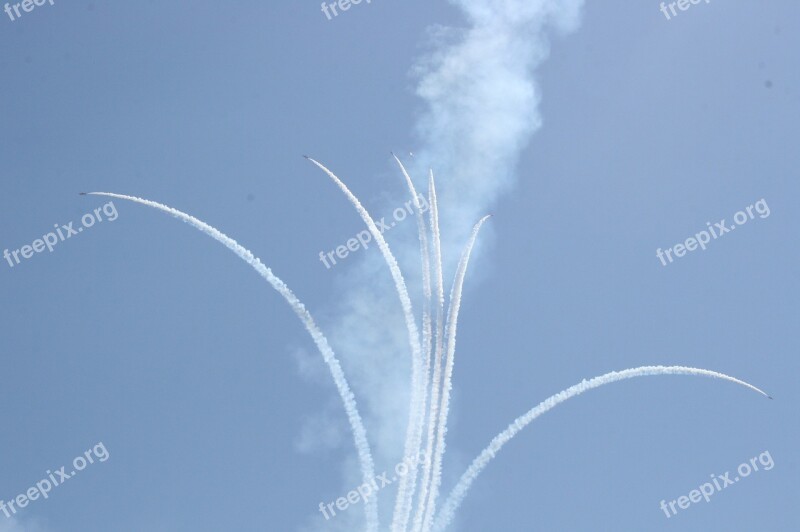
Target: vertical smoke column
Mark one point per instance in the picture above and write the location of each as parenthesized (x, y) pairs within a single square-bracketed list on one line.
[(482, 102)]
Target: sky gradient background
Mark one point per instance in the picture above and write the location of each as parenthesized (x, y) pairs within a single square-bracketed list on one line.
[(215, 408)]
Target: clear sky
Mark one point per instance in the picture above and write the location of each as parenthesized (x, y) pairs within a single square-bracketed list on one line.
[(210, 399)]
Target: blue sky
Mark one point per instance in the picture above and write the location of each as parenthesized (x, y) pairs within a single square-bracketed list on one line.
[(215, 409)]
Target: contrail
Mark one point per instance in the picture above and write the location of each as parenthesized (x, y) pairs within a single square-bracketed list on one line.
[(410, 449), (452, 326), (403, 506), (359, 433), (438, 353), (433, 201), (445, 516)]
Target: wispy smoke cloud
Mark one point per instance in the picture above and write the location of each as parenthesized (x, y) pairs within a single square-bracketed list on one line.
[(482, 101)]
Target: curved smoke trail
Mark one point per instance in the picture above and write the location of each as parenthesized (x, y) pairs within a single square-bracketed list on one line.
[(403, 506), (410, 450), (452, 326), (445, 517), (438, 353), (359, 433)]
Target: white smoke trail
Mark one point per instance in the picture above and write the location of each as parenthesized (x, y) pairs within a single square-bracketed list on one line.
[(410, 449), (445, 517), (433, 201), (452, 327), (403, 506), (359, 433), (438, 354)]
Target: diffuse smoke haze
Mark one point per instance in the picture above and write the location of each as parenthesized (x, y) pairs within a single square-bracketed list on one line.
[(482, 102)]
